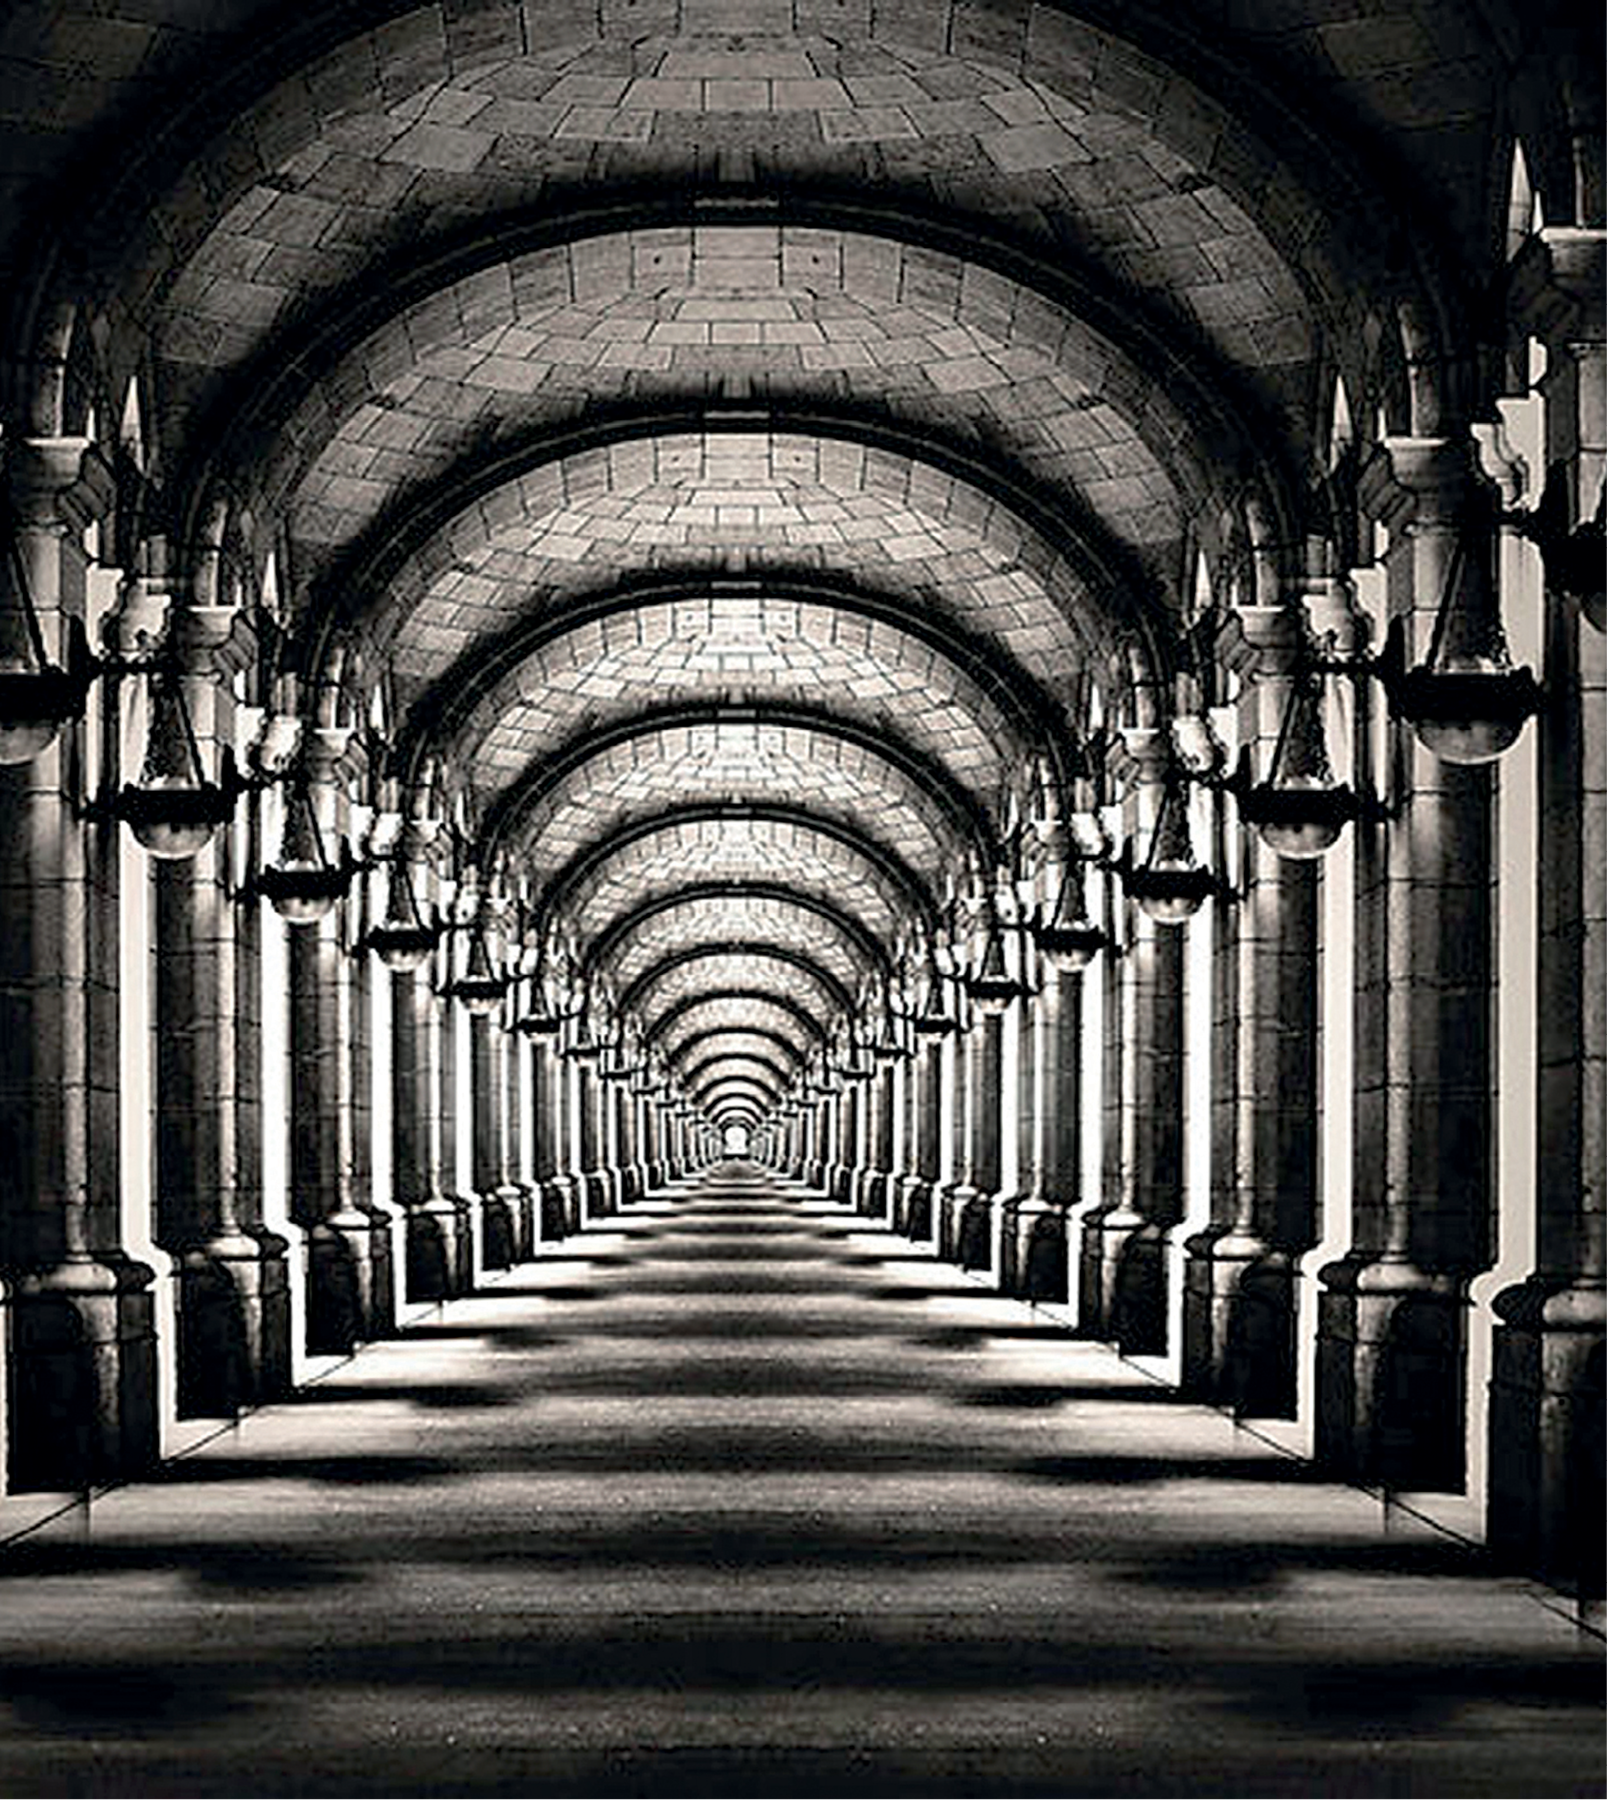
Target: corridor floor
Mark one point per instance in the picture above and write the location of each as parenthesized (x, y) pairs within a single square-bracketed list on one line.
[(737, 1494)]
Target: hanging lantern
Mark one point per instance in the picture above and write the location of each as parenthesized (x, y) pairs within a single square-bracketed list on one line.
[(933, 1018), (1067, 940), (1070, 946), (538, 1022), (401, 940), (1465, 700), (1300, 809), (991, 985), (304, 886), (1169, 886), (36, 696), (480, 987), (174, 810)]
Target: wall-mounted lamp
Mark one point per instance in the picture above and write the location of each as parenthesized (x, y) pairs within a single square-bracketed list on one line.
[(174, 809), (305, 886), (480, 988), (402, 940), (1574, 559), (1465, 700), (1169, 886), (990, 984), (1300, 809)]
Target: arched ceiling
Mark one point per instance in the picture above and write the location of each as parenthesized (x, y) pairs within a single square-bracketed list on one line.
[(733, 448)]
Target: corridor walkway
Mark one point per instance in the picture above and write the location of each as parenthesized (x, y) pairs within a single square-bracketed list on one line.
[(737, 1494)]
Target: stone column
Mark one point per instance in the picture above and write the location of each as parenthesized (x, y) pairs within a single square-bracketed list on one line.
[(1239, 1347), (958, 1193), (1546, 1406), (1391, 1382), (1051, 1178), (519, 1158), (901, 1188), (498, 1199), (975, 1238), (546, 1088), (233, 1290), (1123, 1274), (345, 1276), (1016, 1209), (424, 1157), (872, 1177), (83, 1400), (586, 1165), (361, 976)]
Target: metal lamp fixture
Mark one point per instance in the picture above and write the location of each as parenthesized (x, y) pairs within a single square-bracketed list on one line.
[(401, 940), (480, 987), (1574, 557), (990, 984), (1067, 939), (174, 809), (1169, 886), (933, 1017), (1465, 700), (304, 886), (1299, 810)]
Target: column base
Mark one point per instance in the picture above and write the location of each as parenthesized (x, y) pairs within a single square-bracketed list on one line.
[(836, 1180), (1033, 1255), (871, 1198), (434, 1240), (1391, 1376), (911, 1208), (1546, 1454), (83, 1401), (1105, 1234), (1239, 1325), (499, 1227), (234, 1325), (345, 1282), (597, 1198), (965, 1227)]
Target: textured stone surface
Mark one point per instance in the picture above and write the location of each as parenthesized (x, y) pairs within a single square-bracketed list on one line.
[(717, 761), (739, 1495), (733, 849), (739, 919)]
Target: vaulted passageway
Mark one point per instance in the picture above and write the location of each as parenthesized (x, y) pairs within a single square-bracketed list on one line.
[(737, 1494), (997, 603)]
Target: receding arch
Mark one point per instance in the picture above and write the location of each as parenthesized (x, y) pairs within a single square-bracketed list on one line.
[(838, 996), (900, 876), (963, 816), (746, 1035), (607, 942), (1114, 597), (814, 1028), (488, 675), (772, 1077)]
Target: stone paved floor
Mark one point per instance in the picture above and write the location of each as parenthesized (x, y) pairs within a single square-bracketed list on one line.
[(739, 1495)]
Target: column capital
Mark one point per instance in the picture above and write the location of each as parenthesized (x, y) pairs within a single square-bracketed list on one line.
[(137, 624), (1272, 634), (1140, 753), (1333, 615), (1557, 286), (325, 748), (212, 641), (1422, 481), (272, 739), (60, 483)]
